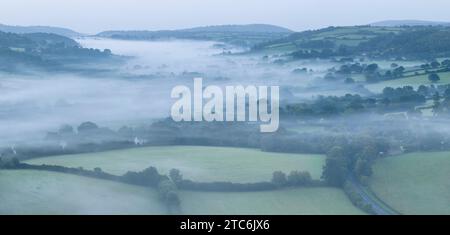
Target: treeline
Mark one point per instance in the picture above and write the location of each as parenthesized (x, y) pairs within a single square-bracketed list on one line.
[(89, 137), (24, 152), (373, 73), (400, 99), (312, 143), (328, 106), (225, 186), (403, 95), (279, 180)]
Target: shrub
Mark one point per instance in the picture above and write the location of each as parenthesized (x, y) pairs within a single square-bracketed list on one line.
[(279, 179), (298, 178)]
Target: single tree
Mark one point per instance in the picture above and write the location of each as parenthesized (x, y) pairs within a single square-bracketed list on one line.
[(435, 64), (335, 170), (86, 126), (349, 80), (279, 178), (434, 77)]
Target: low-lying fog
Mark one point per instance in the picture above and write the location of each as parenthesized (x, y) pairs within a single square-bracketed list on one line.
[(30, 106)]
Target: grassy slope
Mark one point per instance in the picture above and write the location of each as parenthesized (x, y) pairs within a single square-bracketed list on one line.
[(349, 36), (310, 201), (197, 163), (35, 192), (416, 183)]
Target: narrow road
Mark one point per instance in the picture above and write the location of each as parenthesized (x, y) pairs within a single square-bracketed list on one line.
[(379, 207)]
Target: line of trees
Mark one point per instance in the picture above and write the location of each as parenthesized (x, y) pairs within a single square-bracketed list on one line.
[(405, 99), (279, 180)]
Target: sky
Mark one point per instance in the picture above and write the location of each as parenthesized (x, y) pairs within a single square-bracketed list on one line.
[(93, 16)]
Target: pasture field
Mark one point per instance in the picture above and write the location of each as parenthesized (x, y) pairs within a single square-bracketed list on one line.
[(427, 108), (308, 129), (204, 164), (303, 201), (350, 36), (416, 183), (415, 82), (37, 192)]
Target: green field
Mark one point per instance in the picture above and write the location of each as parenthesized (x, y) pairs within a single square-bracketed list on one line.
[(416, 183), (350, 36), (309, 201), (308, 129), (37, 192), (216, 164), (196, 163), (414, 81), (427, 108)]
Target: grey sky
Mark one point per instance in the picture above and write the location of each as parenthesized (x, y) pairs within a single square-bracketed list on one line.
[(92, 16)]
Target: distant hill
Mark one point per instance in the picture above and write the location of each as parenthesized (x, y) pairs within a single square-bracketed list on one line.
[(397, 23), (20, 53), (242, 35), (411, 42), (256, 28), (39, 29), (326, 38)]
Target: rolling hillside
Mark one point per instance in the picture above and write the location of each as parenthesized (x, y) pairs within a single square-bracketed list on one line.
[(408, 43), (397, 23), (26, 192), (241, 35), (39, 29)]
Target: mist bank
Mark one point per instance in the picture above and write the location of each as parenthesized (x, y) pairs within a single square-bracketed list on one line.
[(138, 91)]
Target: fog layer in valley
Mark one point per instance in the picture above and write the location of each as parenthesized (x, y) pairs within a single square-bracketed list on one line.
[(139, 91)]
